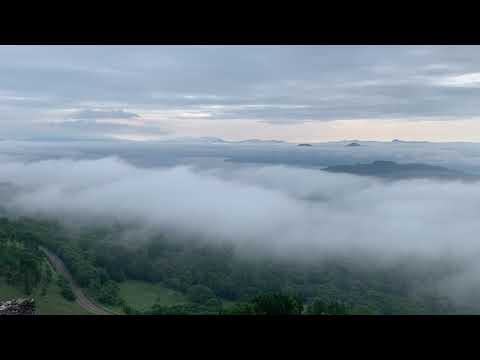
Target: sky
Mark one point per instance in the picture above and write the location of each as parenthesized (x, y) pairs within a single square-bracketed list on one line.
[(290, 93)]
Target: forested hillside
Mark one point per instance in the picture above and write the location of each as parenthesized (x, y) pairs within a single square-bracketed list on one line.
[(25, 272), (211, 278)]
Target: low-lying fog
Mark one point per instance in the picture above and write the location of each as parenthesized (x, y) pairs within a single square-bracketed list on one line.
[(277, 208)]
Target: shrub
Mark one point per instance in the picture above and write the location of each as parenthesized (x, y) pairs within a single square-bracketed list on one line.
[(66, 289), (200, 294)]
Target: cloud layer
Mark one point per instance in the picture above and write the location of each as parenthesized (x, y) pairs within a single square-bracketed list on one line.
[(176, 87), (300, 214), (280, 208), (262, 199)]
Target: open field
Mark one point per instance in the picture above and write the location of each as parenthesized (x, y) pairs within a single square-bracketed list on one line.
[(142, 295)]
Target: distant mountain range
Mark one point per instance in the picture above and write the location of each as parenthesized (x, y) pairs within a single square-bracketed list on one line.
[(393, 170), (215, 140), (257, 141), (206, 139)]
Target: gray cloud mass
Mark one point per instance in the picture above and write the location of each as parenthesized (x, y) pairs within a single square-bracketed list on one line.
[(272, 84), (103, 114)]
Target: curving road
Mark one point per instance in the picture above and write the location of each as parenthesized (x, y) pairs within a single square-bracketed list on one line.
[(82, 299)]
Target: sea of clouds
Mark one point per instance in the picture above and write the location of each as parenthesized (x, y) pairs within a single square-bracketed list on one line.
[(278, 209)]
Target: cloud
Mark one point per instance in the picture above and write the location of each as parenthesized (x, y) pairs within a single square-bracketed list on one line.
[(284, 209), (106, 128), (259, 83), (464, 80), (103, 114)]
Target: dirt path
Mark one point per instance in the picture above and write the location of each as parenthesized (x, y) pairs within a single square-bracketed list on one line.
[(82, 299)]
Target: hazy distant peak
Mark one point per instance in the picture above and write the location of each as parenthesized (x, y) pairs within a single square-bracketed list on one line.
[(258, 141), (205, 139), (409, 141), (393, 170)]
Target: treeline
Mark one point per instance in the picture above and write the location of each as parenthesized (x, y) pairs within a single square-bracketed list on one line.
[(282, 304), (263, 304)]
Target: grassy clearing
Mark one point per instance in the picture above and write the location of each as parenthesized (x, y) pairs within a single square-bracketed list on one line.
[(142, 295)]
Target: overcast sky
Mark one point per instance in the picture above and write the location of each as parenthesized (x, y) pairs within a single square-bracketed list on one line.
[(293, 93)]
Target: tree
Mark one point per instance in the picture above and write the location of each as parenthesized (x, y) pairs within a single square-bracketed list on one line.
[(106, 292), (31, 270), (129, 310), (277, 304), (239, 309), (320, 307), (66, 289), (200, 294), (47, 279), (337, 308)]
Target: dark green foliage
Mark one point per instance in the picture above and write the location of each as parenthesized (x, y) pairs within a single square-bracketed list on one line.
[(239, 309), (129, 310), (21, 263), (30, 268), (190, 309), (106, 292), (66, 289), (200, 294), (277, 304), (100, 258), (47, 279), (78, 262), (320, 307)]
